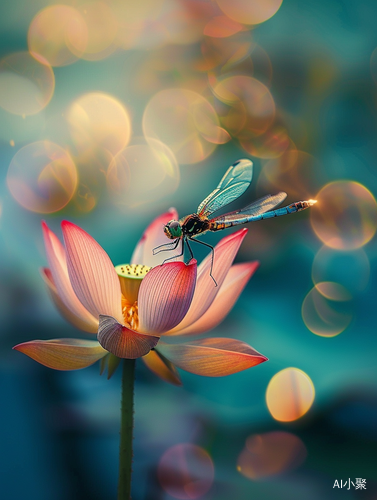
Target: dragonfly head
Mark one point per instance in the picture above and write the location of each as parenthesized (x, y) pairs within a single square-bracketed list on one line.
[(173, 230)]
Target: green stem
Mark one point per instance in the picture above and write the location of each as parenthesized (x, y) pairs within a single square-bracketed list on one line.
[(126, 428)]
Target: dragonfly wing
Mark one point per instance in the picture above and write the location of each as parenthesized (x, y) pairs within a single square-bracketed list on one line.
[(258, 207), (234, 183)]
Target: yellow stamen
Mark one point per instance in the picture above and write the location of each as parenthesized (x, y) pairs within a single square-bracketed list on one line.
[(130, 277)]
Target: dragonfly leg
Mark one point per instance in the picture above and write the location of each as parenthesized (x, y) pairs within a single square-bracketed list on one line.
[(213, 255), (166, 245), (175, 256)]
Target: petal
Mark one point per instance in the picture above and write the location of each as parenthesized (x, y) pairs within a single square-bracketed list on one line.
[(165, 296), (68, 314), (234, 283), (162, 367), (63, 295), (153, 237), (206, 290), (92, 273), (63, 354), (121, 341), (213, 357)]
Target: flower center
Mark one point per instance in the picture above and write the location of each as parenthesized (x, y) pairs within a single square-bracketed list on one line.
[(130, 277)]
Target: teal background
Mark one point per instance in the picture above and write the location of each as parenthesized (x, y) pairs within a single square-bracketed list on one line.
[(59, 431)]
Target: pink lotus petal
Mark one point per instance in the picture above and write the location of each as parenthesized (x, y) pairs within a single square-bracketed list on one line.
[(153, 237), (63, 354), (165, 296), (68, 314), (92, 273), (162, 367), (121, 341), (64, 297), (213, 357), (206, 291), (234, 283)]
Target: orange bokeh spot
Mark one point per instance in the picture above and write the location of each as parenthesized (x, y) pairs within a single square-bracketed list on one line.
[(348, 268), (101, 27), (142, 173), (42, 177), (270, 454), (249, 12), (186, 471), (271, 144), (290, 394), (26, 85), (222, 27), (345, 216), (326, 309), (250, 104), (184, 121), (52, 33), (98, 120)]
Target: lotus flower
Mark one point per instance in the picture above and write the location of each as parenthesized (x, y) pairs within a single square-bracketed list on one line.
[(132, 306)]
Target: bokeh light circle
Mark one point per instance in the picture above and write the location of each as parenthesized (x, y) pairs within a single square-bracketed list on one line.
[(345, 216), (101, 27), (295, 172), (184, 121), (98, 120), (249, 12), (26, 85), (289, 395), (348, 268), (270, 454), (246, 96), (53, 31), (186, 471), (42, 177), (142, 173), (326, 309)]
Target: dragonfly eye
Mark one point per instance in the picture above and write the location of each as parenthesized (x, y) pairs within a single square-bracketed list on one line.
[(173, 229)]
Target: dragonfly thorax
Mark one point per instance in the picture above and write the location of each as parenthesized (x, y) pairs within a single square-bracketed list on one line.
[(173, 230)]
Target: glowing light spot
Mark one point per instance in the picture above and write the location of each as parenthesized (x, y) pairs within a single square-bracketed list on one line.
[(42, 177), (345, 216), (186, 471), (247, 12), (271, 144), (224, 53), (142, 173), (326, 309), (11, 142), (244, 95), (26, 85), (98, 120), (333, 291), (185, 122), (101, 28), (348, 268), (270, 454), (54, 31), (222, 27), (295, 172), (290, 394), (139, 24)]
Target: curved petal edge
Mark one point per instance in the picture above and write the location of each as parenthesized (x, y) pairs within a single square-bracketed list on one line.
[(121, 341), (63, 354), (162, 367), (165, 296), (212, 357)]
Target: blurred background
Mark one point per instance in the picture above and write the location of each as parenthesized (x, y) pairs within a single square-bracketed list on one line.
[(111, 112)]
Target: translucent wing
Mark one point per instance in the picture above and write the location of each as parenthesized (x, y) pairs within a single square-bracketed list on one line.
[(265, 204), (234, 183)]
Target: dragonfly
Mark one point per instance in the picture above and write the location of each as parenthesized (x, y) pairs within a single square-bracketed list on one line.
[(233, 184)]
